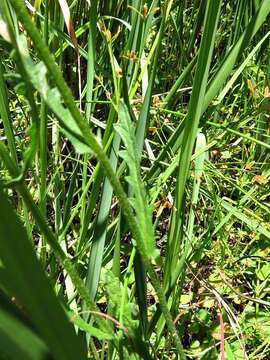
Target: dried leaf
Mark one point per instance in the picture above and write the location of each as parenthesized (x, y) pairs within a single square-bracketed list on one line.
[(156, 101), (251, 87), (259, 180), (266, 92), (69, 23), (152, 130)]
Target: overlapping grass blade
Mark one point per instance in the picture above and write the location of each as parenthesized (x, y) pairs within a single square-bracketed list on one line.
[(191, 128)]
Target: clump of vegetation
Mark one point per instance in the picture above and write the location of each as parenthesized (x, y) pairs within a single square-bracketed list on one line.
[(134, 193)]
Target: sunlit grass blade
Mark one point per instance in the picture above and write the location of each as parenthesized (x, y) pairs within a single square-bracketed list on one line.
[(5, 115), (191, 128), (237, 49), (99, 234)]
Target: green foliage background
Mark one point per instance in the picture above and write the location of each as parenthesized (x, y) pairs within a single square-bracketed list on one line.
[(134, 193)]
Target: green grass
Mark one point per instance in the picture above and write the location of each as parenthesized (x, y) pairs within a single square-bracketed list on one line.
[(134, 193)]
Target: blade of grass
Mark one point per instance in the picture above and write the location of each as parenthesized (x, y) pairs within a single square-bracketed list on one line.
[(100, 231), (5, 115), (190, 131), (31, 288), (26, 345), (237, 49)]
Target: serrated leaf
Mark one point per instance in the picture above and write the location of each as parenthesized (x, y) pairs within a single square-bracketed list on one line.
[(125, 128), (37, 75), (115, 293), (93, 331)]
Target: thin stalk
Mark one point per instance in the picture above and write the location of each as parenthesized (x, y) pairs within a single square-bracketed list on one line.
[(43, 129), (89, 90), (91, 57), (5, 115), (43, 145)]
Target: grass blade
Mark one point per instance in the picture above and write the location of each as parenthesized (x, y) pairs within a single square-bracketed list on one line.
[(31, 288)]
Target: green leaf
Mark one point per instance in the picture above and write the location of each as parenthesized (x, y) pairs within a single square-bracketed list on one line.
[(228, 351), (93, 331), (26, 281), (26, 345), (139, 201), (115, 294), (51, 96), (264, 272), (175, 236)]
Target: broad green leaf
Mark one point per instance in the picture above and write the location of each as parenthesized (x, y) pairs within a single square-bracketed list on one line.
[(25, 345), (228, 351), (27, 282), (115, 294)]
